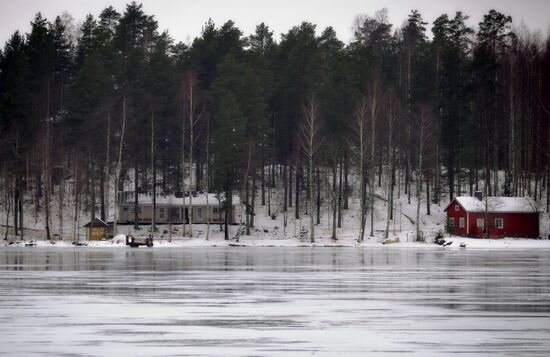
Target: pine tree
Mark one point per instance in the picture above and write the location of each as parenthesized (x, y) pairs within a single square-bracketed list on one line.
[(16, 122), (229, 147), (451, 47)]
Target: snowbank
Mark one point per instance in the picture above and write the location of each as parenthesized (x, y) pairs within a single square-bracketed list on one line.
[(403, 241), (270, 230)]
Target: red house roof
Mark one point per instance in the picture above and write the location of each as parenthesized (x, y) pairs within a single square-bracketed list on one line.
[(496, 204)]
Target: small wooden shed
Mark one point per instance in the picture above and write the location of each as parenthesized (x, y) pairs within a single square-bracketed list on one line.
[(96, 229)]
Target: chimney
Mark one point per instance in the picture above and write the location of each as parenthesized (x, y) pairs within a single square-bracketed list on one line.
[(478, 195)]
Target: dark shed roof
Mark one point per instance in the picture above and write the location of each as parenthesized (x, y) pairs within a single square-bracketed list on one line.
[(96, 223)]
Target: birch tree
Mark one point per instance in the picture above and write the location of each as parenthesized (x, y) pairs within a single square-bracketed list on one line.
[(424, 136), (310, 144), (361, 115), (154, 178), (373, 102), (195, 109), (390, 165), (119, 163)]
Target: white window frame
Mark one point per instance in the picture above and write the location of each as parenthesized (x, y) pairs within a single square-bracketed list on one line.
[(480, 223), (461, 222), (457, 208), (501, 220), (161, 212)]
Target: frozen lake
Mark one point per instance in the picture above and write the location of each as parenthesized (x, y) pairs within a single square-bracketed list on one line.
[(221, 301)]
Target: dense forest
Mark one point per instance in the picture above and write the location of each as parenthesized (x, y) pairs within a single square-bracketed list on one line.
[(119, 106)]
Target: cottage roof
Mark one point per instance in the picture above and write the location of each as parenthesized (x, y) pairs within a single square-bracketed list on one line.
[(96, 223), (497, 204), (162, 200)]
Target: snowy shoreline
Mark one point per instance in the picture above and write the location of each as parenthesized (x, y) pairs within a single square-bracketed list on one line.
[(343, 242)]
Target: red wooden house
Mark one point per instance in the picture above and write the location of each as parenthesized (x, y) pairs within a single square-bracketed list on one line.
[(506, 217)]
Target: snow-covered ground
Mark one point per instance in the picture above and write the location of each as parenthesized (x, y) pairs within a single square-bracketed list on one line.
[(272, 232), (229, 301), (216, 240)]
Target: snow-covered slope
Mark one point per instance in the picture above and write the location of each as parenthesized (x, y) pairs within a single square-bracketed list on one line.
[(273, 232)]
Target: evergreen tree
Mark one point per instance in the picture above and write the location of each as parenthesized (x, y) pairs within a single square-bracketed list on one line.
[(494, 38), (230, 150), (451, 47)]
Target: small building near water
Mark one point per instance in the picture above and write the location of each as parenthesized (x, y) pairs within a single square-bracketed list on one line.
[(505, 216), (171, 209), (96, 229)]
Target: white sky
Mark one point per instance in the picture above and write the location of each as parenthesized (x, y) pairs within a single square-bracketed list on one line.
[(184, 19)]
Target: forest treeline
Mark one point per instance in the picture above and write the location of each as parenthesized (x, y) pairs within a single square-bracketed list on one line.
[(440, 114)]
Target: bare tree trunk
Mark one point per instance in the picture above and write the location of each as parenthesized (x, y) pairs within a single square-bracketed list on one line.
[(318, 203), (47, 197), (334, 198), (310, 143), (46, 164), (7, 182), (184, 208), (154, 173), (193, 118), (409, 119), (360, 117), (246, 195), (61, 200), (269, 200), (119, 166), (102, 193), (253, 203), (47, 175), (346, 181), (297, 177), (191, 125), (428, 197), (107, 174), (424, 135), (263, 177), (207, 182), (20, 207), (228, 211), (290, 183), (285, 188), (389, 183), (76, 203), (15, 206), (136, 199), (486, 216), (373, 114), (438, 192), (340, 188), (91, 176), (419, 178)]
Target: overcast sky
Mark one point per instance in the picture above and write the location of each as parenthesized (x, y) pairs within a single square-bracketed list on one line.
[(184, 19)]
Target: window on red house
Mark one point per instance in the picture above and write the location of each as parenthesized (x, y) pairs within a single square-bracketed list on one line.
[(480, 223), (451, 222)]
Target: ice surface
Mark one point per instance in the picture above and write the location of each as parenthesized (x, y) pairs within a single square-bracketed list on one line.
[(233, 301)]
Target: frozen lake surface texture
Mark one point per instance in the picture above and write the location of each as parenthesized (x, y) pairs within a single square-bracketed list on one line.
[(231, 301)]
